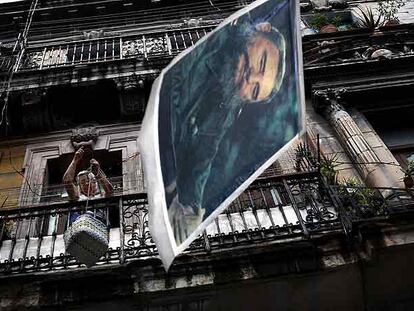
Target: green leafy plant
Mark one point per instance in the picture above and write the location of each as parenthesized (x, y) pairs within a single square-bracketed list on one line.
[(409, 175), (409, 171), (302, 151), (336, 21), (328, 167), (363, 196), (318, 21), (389, 8), (367, 19)]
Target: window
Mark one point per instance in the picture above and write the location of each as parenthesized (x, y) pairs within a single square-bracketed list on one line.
[(54, 191)]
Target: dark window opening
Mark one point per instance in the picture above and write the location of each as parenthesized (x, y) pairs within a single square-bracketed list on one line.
[(53, 189), (396, 128), (63, 107)]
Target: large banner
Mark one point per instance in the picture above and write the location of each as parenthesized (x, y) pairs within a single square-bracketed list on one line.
[(217, 117)]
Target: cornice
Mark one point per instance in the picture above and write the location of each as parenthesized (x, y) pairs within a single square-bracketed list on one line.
[(65, 135)]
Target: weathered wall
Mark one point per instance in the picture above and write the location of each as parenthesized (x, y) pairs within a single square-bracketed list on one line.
[(376, 274), (11, 162)]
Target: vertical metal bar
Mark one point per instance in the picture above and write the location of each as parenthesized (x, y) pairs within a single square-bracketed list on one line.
[(269, 212), (346, 221), (106, 48), (145, 47), (120, 48), (89, 51), (58, 59), (27, 237), (231, 225), (113, 49), (74, 54), (121, 232), (198, 35), (97, 50), (67, 54), (182, 37), (191, 37), (51, 57), (276, 200), (2, 229), (54, 236), (167, 40), (14, 238), (207, 246), (81, 53), (319, 152), (295, 208), (218, 230), (43, 58), (176, 42), (242, 216), (40, 239), (255, 211)]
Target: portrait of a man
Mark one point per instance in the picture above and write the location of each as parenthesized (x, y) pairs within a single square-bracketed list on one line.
[(224, 109)]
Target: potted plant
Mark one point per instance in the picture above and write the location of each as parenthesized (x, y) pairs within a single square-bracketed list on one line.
[(409, 175), (302, 152), (389, 9), (364, 197), (327, 168), (367, 19), (321, 23)]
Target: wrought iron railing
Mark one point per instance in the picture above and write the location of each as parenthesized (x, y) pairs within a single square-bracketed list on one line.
[(144, 47), (40, 194), (362, 204), (274, 209)]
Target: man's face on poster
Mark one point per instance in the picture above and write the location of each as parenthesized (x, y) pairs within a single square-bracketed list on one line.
[(257, 68)]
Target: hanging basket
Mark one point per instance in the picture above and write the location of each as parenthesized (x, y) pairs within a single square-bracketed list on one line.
[(87, 239)]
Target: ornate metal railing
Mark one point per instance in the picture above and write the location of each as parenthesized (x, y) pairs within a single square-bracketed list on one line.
[(361, 204), (144, 47), (278, 209), (275, 209)]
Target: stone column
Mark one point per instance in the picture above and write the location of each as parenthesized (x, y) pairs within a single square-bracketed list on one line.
[(375, 172)]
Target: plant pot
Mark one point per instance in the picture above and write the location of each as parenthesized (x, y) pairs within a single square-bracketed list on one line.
[(328, 28), (408, 182), (392, 22)]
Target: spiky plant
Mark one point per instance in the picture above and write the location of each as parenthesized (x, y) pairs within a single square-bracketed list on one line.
[(367, 19)]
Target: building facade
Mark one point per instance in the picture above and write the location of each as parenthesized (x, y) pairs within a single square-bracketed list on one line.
[(327, 227)]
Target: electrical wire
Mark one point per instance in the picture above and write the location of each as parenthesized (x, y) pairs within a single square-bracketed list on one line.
[(20, 44)]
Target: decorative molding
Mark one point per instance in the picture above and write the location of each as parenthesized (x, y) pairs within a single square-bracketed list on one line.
[(144, 46), (84, 136), (326, 100), (130, 82)]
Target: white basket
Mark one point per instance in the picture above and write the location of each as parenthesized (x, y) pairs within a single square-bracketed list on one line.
[(87, 239)]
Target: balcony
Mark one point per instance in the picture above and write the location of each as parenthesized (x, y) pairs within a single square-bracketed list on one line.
[(288, 205), (280, 209), (144, 47)]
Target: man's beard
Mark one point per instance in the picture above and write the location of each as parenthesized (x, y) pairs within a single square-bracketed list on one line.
[(228, 77)]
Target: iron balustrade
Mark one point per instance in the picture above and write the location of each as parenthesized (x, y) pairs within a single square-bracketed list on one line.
[(144, 47), (275, 209), (366, 203)]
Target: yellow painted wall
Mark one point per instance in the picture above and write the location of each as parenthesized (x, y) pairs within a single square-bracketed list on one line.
[(11, 162)]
